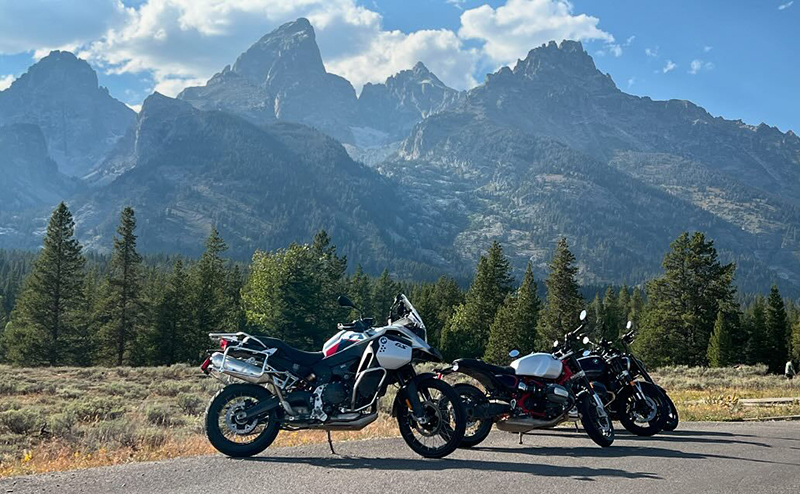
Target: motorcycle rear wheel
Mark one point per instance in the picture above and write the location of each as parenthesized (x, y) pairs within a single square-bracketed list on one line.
[(445, 424), (672, 418), (476, 430), (234, 438), (600, 429)]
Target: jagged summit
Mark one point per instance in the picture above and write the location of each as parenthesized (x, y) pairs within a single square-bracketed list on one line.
[(79, 119), (59, 71)]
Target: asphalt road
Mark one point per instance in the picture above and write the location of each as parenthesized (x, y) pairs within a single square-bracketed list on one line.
[(698, 457)]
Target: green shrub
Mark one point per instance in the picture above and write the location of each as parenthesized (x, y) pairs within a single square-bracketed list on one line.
[(62, 424), (169, 388), (191, 404), (22, 421), (9, 388), (111, 433), (96, 409), (160, 414)]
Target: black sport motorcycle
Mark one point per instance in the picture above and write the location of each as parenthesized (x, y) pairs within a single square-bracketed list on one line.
[(642, 407), (536, 391), (337, 389)]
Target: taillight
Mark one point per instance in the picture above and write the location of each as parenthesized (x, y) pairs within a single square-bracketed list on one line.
[(223, 343), (205, 365)]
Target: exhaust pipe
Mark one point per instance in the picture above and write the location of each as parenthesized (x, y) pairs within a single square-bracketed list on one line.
[(238, 368), (525, 424)]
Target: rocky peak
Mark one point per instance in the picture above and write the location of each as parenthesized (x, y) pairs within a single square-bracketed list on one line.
[(58, 72), (566, 65), (290, 48)]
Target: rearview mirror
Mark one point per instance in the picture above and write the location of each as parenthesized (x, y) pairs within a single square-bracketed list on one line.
[(513, 353), (345, 302), (583, 315), (555, 343), (629, 325)]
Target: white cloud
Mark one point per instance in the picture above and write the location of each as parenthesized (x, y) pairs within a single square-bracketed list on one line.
[(629, 40), (631, 81), (707, 48), (511, 30), (136, 108), (5, 81), (669, 67), (651, 52), (45, 24), (786, 5), (697, 65)]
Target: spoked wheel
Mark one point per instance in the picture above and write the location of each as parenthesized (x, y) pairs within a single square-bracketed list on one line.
[(441, 427), (476, 430), (596, 421), (227, 429), (643, 417)]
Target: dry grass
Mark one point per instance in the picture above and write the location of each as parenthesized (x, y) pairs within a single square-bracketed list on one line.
[(714, 394), (68, 418)]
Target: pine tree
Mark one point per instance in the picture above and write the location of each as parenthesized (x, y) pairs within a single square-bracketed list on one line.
[(209, 305), (384, 290), (755, 325), (123, 304), (777, 331), (467, 331), (637, 308), (436, 303), (796, 341), (721, 346), (564, 301), (514, 326), (683, 303), (596, 313), (47, 314), (612, 317), (173, 334), (359, 291), (624, 305)]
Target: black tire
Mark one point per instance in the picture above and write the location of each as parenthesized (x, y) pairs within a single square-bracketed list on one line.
[(476, 430), (672, 418), (600, 429), (630, 417), (247, 394), (444, 404)]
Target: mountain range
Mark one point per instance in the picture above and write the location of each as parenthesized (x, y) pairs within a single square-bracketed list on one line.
[(409, 173)]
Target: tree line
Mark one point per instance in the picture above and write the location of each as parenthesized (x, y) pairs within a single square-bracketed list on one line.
[(62, 306)]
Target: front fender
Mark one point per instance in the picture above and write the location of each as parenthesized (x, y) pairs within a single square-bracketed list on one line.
[(399, 399)]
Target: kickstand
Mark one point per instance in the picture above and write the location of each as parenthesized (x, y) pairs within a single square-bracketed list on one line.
[(330, 443), (576, 426), (520, 438)]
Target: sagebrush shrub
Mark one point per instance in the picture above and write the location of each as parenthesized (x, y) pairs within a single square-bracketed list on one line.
[(191, 404)]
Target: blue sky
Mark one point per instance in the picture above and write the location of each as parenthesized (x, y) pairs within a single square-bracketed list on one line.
[(737, 59)]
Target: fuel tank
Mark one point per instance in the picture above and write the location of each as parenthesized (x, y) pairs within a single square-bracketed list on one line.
[(538, 365), (594, 366)]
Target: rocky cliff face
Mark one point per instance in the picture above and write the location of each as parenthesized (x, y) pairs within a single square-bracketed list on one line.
[(403, 100), (80, 121), (30, 178), (282, 77)]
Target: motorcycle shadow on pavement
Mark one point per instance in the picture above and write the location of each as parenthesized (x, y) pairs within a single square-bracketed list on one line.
[(419, 464), (689, 436)]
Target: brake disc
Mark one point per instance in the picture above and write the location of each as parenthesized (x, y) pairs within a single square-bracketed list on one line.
[(234, 419)]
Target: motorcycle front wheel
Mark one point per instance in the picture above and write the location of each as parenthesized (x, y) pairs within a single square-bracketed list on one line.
[(441, 428), (476, 430), (642, 418), (596, 421), (228, 432)]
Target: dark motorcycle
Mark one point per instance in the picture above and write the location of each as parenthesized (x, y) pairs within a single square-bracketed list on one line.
[(536, 391), (640, 406), (337, 389), (637, 369)]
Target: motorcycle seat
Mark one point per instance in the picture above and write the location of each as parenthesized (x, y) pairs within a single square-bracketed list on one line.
[(480, 365), (299, 357)]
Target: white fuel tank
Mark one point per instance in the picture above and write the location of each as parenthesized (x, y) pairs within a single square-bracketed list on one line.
[(393, 354), (538, 365)]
